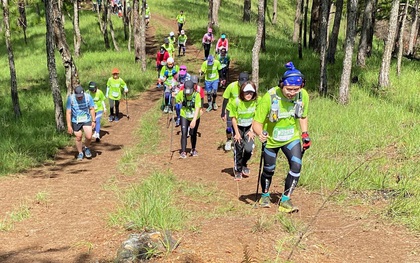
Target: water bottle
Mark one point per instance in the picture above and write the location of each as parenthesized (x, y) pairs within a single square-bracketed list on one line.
[(274, 113)]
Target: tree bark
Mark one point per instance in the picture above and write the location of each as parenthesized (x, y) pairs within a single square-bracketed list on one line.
[(263, 46), (143, 37), (111, 30), (216, 5), (52, 70), (275, 4), (305, 24), (366, 28), (401, 38), (247, 11), (22, 18), (414, 29), (314, 26), (130, 29), (332, 44), (126, 20), (323, 35), (72, 79), (105, 24), (210, 14), (136, 29), (383, 80), (257, 43), (76, 28), (12, 68), (297, 22), (348, 51)]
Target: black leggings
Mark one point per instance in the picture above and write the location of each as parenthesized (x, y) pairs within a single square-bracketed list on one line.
[(243, 150), (293, 153), (111, 107), (193, 133)]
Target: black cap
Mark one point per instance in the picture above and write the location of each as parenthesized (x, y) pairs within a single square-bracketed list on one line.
[(166, 41), (79, 91), (194, 79), (188, 87), (92, 86), (243, 77)]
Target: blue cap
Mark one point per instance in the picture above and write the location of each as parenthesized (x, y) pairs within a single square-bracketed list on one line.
[(292, 76), (210, 60)]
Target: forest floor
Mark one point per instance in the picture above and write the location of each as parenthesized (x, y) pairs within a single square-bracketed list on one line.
[(72, 226)]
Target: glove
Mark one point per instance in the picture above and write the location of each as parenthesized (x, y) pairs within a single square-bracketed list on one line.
[(306, 141), (107, 91), (125, 90)]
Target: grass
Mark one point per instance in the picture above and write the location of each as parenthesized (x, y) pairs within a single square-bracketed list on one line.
[(18, 214)]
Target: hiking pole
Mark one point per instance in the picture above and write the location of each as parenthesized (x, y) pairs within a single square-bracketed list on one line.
[(172, 129), (126, 107), (265, 133)]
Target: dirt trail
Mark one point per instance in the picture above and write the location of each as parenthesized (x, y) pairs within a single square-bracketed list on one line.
[(72, 225)]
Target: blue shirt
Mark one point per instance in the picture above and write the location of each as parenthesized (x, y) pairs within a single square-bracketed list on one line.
[(80, 109)]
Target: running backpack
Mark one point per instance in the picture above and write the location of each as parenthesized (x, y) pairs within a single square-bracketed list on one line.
[(273, 116)]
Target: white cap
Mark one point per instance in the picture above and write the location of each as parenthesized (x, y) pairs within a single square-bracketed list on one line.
[(249, 87), (182, 32), (171, 34), (170, 60)]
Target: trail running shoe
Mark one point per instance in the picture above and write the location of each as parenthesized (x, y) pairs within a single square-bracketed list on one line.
[(265, 201), (287, 207), (166, 109), (246, 171), (194, 153), (88, 154), (79, 157), (238, 176), (116, 119), (228, 145), (111, 118), (177, 122), (215, 106), (209, 108), (183, 155)]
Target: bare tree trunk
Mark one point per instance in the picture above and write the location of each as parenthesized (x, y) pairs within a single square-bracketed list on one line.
[(52, 70), (332, 44), (105, 24), (263, 47), (300, 51), (247, 11), (323, 36), (111, 30), (210, 14), (98, 13), (143, 37), (414, 29), (401, 38), (12, 68), (367, 25), (136, 28), (305, 24), (298, 19), (314, 26), (216, 6), (125, 20), (275, 4), (72, 79), (130, 29), (76, 28), (22, 18), (383, 80), (348, 53), (257, 43)]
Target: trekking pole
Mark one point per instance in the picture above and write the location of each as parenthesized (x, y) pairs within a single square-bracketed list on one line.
[(126, 106), (265, 133), (172, 130)]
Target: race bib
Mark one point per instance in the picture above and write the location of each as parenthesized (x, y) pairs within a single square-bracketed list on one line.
[(189, 114), (95, 106), (211, 75), (283, 134), (245, 122), (82, 118), (115, 94)]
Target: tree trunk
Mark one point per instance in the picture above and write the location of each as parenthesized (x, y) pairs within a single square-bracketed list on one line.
[(305, 24), (332, 44), (263, 47), (98, 13), (76, 28), (367, 25), (12, 68), (247, 11), (52, 70), (125, 20), (275, 12), (130, 29), (414, 29), (323, 35), (111, 30), (257, 43), (371, 30), (348, 51), (105, 24), (22, 18), (383, 80), (300, 51), (298, 19), (314, 26), (143, 37), (216, 5), (72, 79), (210, 14), (136, 29), (401, 38)]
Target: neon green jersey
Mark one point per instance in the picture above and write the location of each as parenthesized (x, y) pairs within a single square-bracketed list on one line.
[(180, 18), (115, 86), (287, 128), (98, 99), (182, 39), (243, 111), (232, 90), (211, 72), (190, 105)]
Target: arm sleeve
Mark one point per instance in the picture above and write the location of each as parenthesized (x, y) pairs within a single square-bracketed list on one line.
[(225, 102)]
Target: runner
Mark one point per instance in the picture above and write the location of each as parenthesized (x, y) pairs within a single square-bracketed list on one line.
[(242, 111), (172, 38), (113, 91), (182, 43), (169, 79), (208, 38), (80, 115), (180, 19), (222, 43), (231, 92), (190, 117), (284, 111), (161, 58), (168, 46), (100, 107), (210, 69), (224, 59), (182, 78)]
